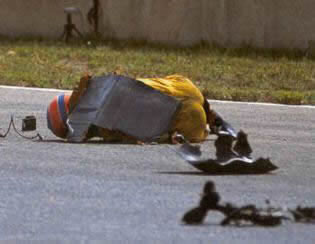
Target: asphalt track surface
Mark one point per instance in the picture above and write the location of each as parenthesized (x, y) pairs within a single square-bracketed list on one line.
[(54, 191)]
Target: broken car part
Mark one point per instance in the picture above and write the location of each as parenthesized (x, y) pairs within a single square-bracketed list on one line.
[(222, 127), (229, 159)]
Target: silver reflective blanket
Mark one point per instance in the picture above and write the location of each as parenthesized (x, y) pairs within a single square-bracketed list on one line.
[(120, 103)]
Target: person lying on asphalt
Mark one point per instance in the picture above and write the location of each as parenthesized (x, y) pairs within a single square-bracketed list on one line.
[(121, 109)]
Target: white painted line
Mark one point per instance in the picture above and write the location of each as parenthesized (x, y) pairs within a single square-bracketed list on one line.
[(34, 89), (263, 104), (214, 101)]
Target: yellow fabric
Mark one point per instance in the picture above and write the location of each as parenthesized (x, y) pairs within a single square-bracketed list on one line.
[(190, 121), (176, 86)]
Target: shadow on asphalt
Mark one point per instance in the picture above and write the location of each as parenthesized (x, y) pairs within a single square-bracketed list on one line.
[(206, 173), (86, 142)]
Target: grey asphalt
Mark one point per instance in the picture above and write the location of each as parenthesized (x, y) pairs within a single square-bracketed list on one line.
[(138, 194)]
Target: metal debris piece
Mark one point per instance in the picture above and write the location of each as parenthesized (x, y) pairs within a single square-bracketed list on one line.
[(228, 160), (222, 127)]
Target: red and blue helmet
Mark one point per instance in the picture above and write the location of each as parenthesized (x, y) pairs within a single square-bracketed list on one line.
[(57, 115)]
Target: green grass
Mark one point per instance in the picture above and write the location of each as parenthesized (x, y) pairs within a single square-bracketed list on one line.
[(243, 74)]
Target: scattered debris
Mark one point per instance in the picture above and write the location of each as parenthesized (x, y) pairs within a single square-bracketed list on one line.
[(28, 124), (251, 214), (229, 159), (248, 214), (304, 214)]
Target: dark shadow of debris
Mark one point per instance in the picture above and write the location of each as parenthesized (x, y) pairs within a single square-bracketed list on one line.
[(201, 225), (212, 173), (211, 224), (51, 141), (182, 173), (92, 142)]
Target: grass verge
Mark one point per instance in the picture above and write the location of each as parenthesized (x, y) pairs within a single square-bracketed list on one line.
[(242, 74)]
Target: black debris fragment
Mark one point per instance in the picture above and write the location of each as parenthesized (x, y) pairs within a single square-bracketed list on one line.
[(242, 146), (223, 146), (195, 216), (209, 200), (253, 215), (304, 214), (229, 159), (244, 215)]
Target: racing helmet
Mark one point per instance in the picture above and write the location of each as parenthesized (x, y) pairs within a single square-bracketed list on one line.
[(57, 115)]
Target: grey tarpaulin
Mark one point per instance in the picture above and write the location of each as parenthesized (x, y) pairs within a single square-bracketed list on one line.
[(120, 103)]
